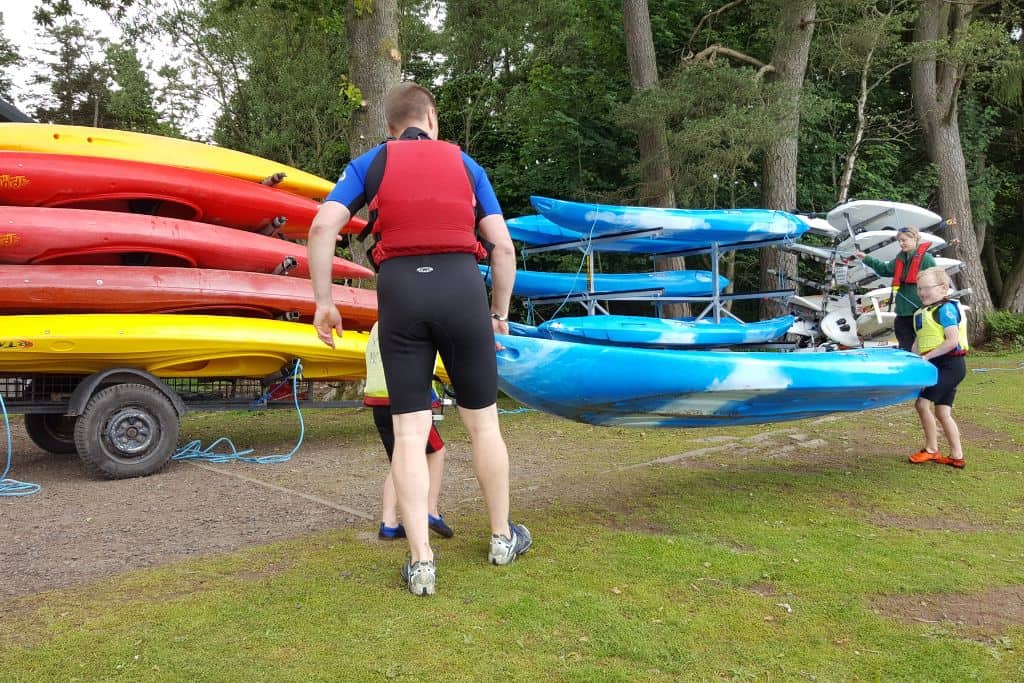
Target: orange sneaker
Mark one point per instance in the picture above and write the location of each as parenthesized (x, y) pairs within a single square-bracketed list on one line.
[(923, 456), (952, 462)]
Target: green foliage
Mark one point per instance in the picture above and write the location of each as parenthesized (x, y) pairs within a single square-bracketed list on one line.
[(131, 104), (9, 59), (1005, 330)]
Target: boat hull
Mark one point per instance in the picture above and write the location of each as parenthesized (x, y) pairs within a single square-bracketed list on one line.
[(33, 235), (612, 385), (532, 283), (174, 346), (118, 144), (696, 227), (629, 330), (41, 289), (81, 182)]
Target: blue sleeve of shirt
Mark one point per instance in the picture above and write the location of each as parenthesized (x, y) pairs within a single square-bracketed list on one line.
[(949, 315), (482, 187), (351, 186)]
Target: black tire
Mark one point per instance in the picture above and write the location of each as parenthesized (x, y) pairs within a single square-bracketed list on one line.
[(127, 430), (51, 432)]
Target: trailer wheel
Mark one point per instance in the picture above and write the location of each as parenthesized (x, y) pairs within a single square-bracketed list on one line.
[(127, 430), (51, 432)]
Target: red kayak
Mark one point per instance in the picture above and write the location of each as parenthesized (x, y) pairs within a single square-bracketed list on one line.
[(26, 290), (83, 237), (77, 182)]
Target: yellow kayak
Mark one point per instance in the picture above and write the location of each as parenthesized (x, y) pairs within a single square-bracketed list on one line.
[(174, 346), (117, 144)]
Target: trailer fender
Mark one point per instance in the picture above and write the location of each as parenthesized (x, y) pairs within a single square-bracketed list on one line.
[(88, 386)]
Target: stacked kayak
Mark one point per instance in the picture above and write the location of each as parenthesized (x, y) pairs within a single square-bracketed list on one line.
[(175, 346), (872, 227), (125, 249), (632, 330), (623, 386), (141, 289), (694, 227)]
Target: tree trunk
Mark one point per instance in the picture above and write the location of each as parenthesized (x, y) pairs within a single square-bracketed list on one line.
[(789, 59), (935, 87), (655, 172), (1013, 286), (374, 67)]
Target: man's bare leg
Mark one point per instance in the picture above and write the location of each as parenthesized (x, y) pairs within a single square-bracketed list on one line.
[(412, 479), (490, 462)]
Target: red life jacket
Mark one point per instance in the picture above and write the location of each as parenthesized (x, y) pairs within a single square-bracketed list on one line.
[(913, 270), (425, 203)]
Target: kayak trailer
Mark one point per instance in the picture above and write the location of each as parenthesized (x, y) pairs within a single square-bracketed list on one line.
[(124, 422)]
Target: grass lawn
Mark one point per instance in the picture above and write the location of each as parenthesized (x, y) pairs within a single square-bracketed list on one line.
[(829, 558)]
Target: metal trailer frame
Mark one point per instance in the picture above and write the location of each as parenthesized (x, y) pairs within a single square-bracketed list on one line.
[(125, 422)]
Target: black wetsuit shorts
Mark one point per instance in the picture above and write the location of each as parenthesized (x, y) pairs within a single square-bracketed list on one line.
[(435, 304), (952, 370)]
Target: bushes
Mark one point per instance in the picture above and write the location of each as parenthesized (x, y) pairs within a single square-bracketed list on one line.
[(1005, 330)]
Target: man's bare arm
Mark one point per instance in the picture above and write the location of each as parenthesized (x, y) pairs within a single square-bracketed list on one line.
[(323, 239), (503, 263)]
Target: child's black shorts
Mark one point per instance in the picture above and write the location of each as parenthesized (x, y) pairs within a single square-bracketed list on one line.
[(382, 418), (952, 370)]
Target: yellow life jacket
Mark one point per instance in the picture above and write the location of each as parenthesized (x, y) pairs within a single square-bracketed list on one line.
[(930, 333), (376, 386)]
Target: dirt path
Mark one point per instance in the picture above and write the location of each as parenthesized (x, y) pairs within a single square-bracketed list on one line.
[(79, 528)]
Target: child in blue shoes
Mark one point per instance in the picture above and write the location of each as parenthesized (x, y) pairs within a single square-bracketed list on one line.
[(376, 397)]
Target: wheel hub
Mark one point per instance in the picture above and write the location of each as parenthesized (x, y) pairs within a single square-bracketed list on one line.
[(131, 431)]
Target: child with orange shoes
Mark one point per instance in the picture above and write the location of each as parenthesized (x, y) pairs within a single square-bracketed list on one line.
[(941, 338)]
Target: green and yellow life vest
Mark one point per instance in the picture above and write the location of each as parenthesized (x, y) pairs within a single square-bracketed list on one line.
[(931, 334)]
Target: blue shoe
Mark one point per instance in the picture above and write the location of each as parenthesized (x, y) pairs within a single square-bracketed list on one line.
[(438, 526), (390, 533)]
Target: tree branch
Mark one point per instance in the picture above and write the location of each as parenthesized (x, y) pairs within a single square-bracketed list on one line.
[(712, 13), (709, 53)]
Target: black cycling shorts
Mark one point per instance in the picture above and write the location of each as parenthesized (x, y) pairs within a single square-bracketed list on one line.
[(952, 370), (435, 304)]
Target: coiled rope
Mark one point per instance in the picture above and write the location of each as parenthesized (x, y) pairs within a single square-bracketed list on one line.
[(194, 449), (13, 487)]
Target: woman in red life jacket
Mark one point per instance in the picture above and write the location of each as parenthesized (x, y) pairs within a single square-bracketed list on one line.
[(912, 259)]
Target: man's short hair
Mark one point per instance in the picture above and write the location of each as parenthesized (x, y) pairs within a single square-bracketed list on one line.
[(407, 103)]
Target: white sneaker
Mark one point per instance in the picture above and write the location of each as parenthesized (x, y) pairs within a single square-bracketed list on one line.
[(504, 549), (420, 576)]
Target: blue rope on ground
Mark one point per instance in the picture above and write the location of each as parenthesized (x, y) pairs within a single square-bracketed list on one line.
[(13, 487), (194, 449), (1019, 367), (520, 409)]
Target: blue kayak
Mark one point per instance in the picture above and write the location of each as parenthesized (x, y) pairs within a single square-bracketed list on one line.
[(534, 283), (617, 385), (539, 231), (634, 330), (697, 227)]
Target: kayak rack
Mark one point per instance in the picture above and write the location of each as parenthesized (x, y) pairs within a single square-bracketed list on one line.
[(716, 302)]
